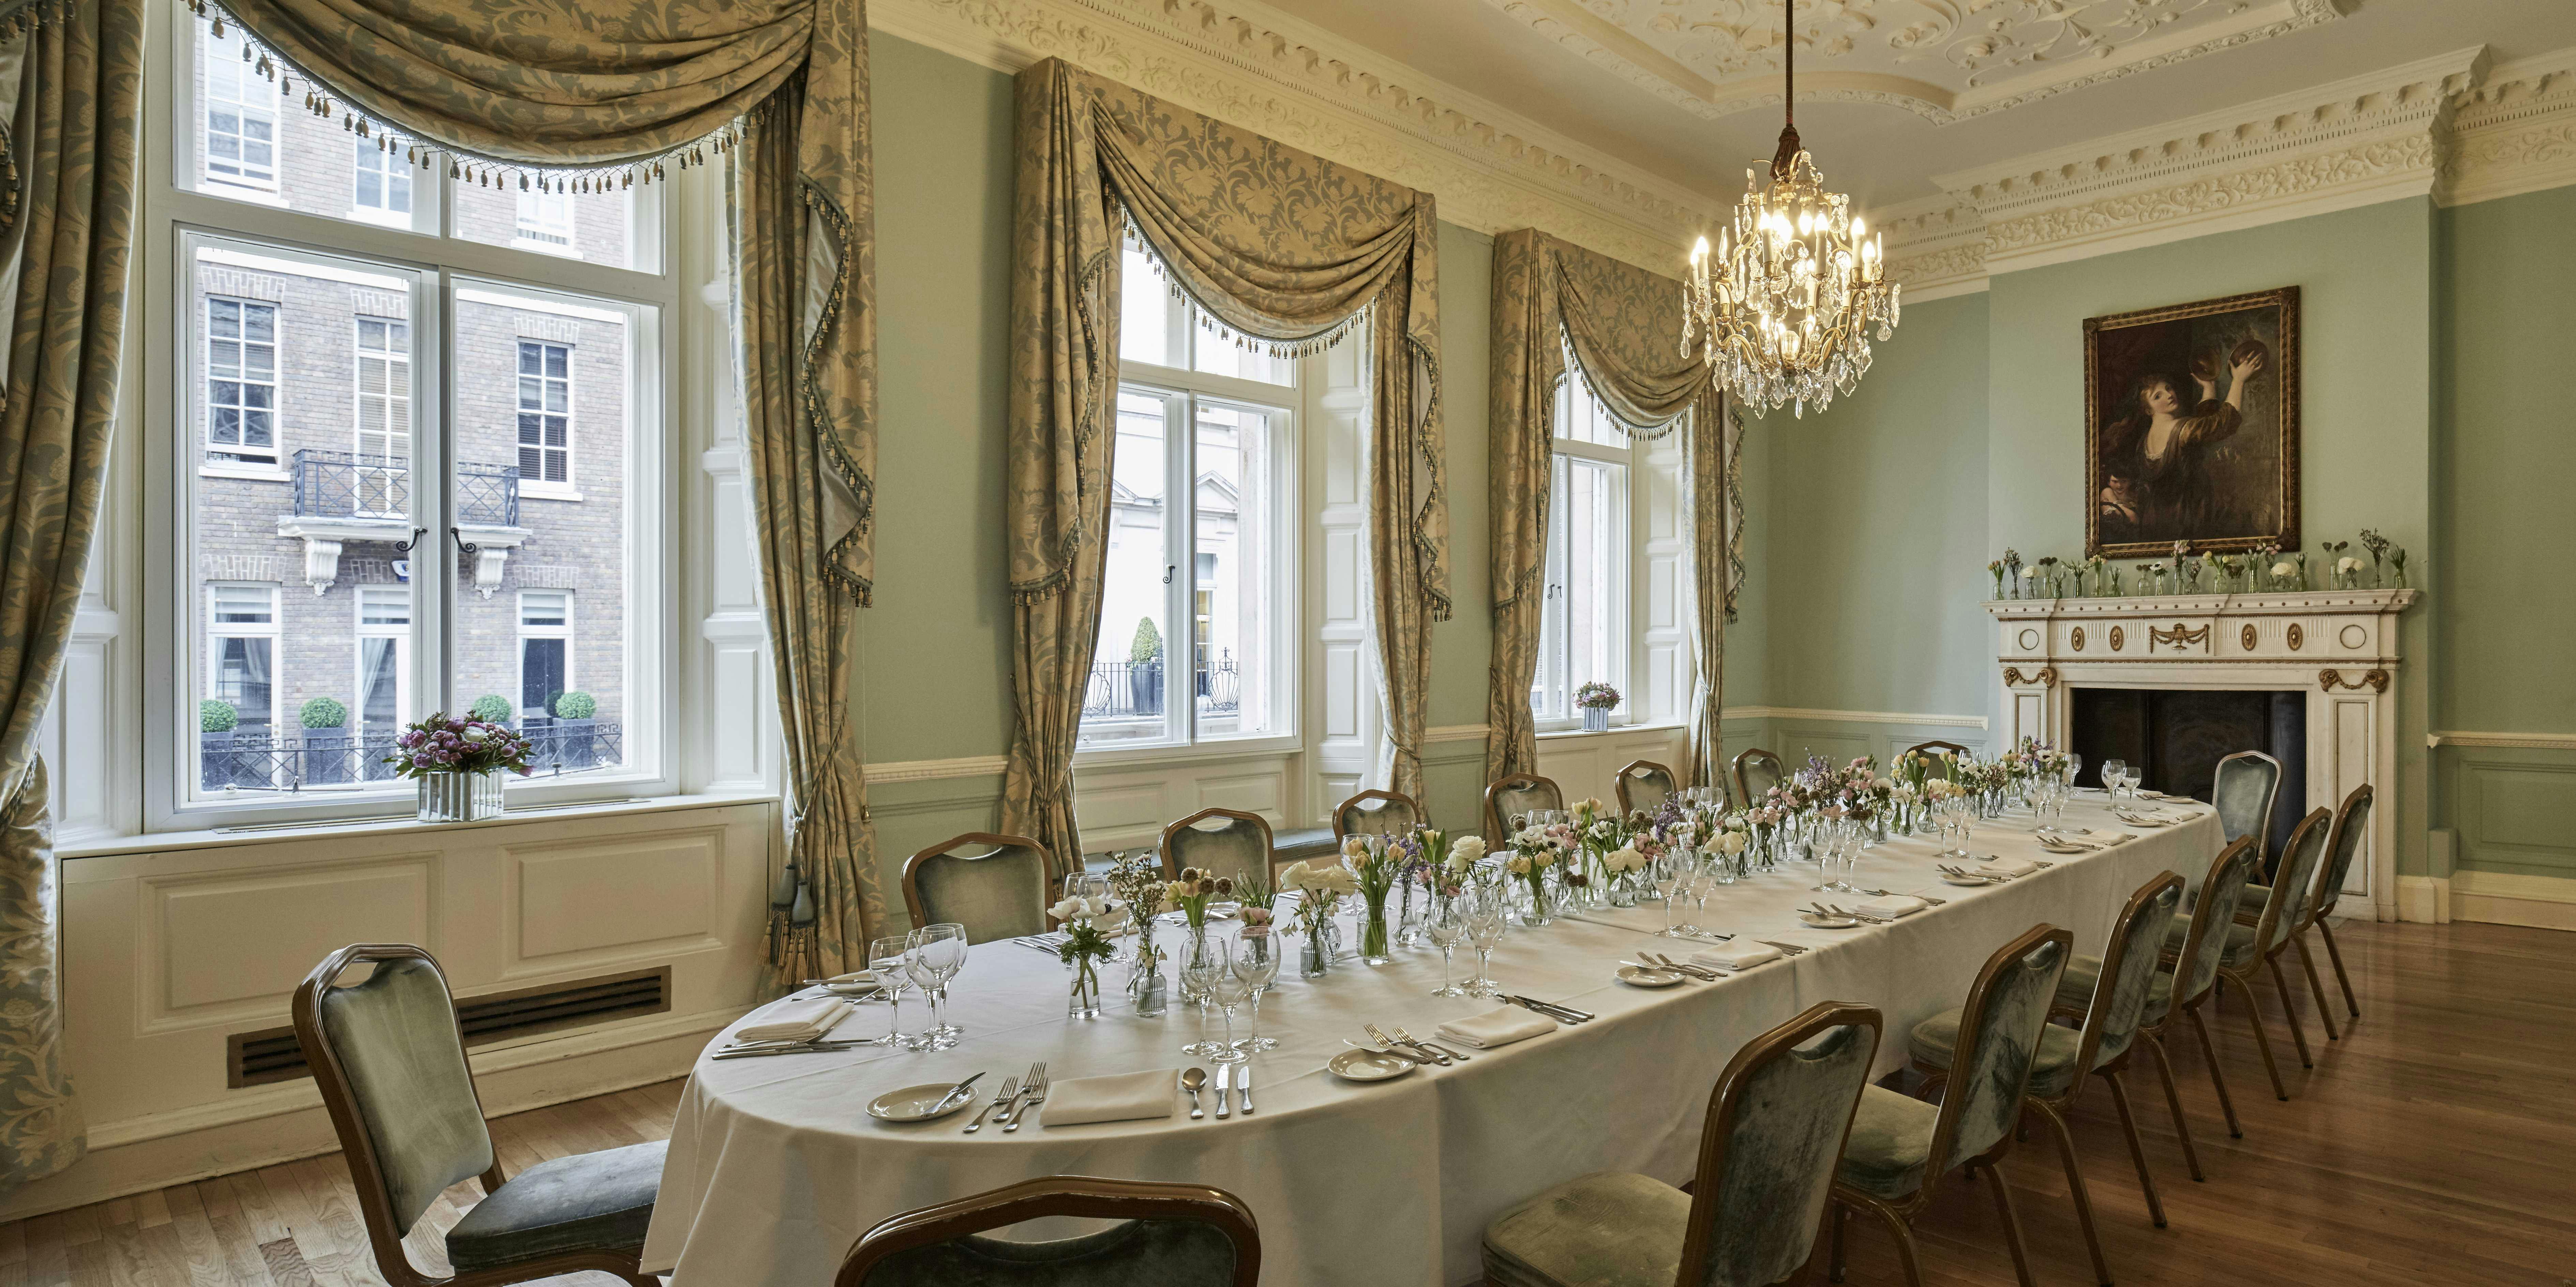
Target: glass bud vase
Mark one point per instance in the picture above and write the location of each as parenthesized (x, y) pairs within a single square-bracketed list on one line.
[(1374, 931), (1536, 914), (1194, 945), (1314, 955), (1146, 988), (1082, 1000), (1408, 925), (1623, 893)]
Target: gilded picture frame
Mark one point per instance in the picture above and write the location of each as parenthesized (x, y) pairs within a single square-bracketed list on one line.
[(2191, 427)]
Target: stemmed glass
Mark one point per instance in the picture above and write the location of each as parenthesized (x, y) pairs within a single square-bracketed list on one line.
[(888, 960), (1226, 989), (2112, 772), (1828, 836), (1671, 873), (1201, 961), (925, 958), (1447, 925), (945, 946), (2074, 766), (1484, 929), (1256, 962), (1703, 882)]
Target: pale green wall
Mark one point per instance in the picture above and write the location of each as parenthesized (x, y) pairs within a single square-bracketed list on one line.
[(2502, 507), (1453, 773)]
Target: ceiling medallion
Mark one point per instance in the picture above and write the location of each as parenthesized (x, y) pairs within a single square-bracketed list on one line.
[(1783, 309)]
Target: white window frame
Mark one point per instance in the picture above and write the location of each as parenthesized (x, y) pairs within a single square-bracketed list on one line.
[(1650, 595), (148, 556), (570, 487), (268, 630), (534, 226), (397, 393), (404, 710), (206, 444), (366, 158), (261, 102), (562, 630)]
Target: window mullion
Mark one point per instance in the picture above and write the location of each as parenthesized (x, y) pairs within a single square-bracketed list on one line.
[(435, 560), (1179, 638)]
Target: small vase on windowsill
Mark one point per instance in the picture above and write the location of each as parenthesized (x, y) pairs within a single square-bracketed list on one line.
[(459, 797), (1596, 719)]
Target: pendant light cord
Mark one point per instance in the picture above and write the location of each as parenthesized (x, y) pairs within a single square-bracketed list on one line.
[(1789, 148)]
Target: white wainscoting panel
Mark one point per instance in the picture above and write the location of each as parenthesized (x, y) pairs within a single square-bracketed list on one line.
[(250, 937), (605, 904)]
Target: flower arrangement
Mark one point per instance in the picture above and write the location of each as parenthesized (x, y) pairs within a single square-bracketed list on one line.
[(1318, 886), (1192, 891), (1456, 869), (1256, 896), (1136, 881), (444, 744), (1596, 696), (1084, 947), (1534, 851)]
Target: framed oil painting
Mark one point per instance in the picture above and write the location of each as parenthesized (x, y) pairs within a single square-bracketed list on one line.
[(2191, 427)]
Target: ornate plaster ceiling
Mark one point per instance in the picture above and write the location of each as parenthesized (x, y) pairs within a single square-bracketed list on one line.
[(1944, 60)]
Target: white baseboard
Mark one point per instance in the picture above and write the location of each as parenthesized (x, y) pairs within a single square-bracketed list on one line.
[(263, 1127), (2424, 899), (2499, 898)]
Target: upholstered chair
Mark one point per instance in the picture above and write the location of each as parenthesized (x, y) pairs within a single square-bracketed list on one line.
[(1376, 813), (1225, 841), (1932, 751), (2185, 983), (995, 886), (2351, 827), (1169, 1235), (390, 1061), (1900, 1147), (1756, 772), (2100, 1044), (1644, 786), (1514, 794), (1777, 1121), (2262, 942), (2247, 785)]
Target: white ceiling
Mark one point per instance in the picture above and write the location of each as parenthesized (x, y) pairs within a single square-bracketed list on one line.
[(1892, 92)]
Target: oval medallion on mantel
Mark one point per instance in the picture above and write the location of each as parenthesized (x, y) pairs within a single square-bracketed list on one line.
[(2297, 636), (2353, 636), (2118, 638), (2078, 639), (2248, 636)]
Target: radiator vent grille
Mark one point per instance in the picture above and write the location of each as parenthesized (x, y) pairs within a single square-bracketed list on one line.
[(272, 1055)]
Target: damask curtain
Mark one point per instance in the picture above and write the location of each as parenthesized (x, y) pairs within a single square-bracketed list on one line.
[(575, 96), (1622, 326), (66, 237), (1284, 249)]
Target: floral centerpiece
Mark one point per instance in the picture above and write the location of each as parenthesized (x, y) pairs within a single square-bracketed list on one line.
[(458, 761), (1596, 700), (1460, 866), (1136, 884), (1534, 851), (1084, 947), (1375, 862), (1319, 886)]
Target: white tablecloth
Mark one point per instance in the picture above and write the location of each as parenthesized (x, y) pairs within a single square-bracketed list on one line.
[(775, 1169)]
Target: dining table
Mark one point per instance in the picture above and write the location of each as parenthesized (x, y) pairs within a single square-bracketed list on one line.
[(776, 1168)]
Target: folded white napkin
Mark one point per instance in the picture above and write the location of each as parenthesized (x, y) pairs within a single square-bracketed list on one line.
[(853, 977), (796, 1021), (2007, 867), (1119, 1097), (1498, 1027), (1730, 957), (1894, 905), (2144, 820), (2056, 846), (2113, 837)]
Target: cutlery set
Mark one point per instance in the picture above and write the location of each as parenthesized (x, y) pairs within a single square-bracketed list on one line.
[(1047, 943), (1562, 1014), (1232, 1081), (1658, 961)]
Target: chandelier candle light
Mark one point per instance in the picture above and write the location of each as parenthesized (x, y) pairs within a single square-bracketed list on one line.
[(1782, 310)]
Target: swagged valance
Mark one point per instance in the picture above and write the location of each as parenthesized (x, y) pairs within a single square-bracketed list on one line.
[(1284, 250), (580, 97), (1619, 328)]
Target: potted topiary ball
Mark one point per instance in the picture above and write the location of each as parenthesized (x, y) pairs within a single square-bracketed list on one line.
[(491, 708), (1145, 668), (576, 719), (217, 721), (326, 745)]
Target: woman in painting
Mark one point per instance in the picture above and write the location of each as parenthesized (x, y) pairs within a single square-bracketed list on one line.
[(2156, 483)]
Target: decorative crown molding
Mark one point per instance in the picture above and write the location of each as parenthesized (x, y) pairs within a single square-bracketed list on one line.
[(1249, 65), (2516, 132)]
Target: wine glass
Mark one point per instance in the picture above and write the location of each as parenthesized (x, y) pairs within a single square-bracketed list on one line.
[(921, 964), (2111, 773), (1822, 846), (1484, 929), (1671, 872), (886, 959), (1447, 925), (1227, 988), (1201, 960), (2074, 766), (947, 941), (1256, 962)]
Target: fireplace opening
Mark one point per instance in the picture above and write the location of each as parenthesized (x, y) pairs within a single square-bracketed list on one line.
[(2175, 738)]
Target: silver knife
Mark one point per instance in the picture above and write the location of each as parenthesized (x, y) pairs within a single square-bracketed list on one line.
[(1243, 1086), (1224, 1083)]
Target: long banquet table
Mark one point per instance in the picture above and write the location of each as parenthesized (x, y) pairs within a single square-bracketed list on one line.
[(775, 1167)]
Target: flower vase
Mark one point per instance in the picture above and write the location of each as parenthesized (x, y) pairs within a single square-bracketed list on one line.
[(1082, 1001), (459, 797), (1314, 955), (1622, 893), (1192, 950), (1536, 914), (1373, 930), (1146, 987), (1596, 719), (1408, 925)]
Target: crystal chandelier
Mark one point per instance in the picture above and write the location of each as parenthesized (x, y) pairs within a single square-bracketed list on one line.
[(1783, 310)]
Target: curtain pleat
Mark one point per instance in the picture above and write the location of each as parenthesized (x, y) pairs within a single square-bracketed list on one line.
[(69, 240)]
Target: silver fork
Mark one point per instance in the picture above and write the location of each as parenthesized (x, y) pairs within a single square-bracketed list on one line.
[(1700, 972), (1402, 1035), (1384, 1040), (1032, 1091), (1010, 1087), (1927, 899), (1786, 949)]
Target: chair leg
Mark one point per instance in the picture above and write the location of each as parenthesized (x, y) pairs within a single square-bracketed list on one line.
[(2173, 1100), (2262, 1039), (2217, 1075), (2316, 988), (2012, 1230), (1904, 1243), (2335, 954), (2137, 1146), (2290, 1011), (2074, 1185), (1842, 1216)]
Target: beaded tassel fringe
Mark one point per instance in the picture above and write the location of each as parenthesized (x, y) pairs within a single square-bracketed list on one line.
[(1293, 347)]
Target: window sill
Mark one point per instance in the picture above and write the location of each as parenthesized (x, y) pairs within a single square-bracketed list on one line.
[(242, 192), (547, 493), (1196, 753), (246, 473), (398, 221), (544, 247), (1615, 730), (99, 846)]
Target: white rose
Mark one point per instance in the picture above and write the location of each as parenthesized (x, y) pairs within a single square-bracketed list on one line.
[(2029, 572), (2285, 568), (1517, 864), (1624, 858), (1294, 877), (1732, 842), (2348, 564), (478, 735)]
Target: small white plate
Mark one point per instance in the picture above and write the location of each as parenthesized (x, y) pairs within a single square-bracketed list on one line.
[(2075, 850), (918, 1103), (1366, 1065), (1828, 922), (1967, 882), (1641, 977)]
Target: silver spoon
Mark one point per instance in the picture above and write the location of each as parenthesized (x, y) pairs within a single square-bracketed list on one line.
[(1191, 1080)]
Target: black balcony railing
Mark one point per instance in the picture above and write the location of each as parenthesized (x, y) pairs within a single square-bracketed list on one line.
[(252, 761), (1134, 689), (343, 484)]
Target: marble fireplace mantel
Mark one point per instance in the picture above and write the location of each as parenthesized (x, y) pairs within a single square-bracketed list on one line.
[(2338, 646)]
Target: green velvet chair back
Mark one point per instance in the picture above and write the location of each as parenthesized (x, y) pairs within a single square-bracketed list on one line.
[(2351, 827), (2247, 784), (1516, 794), (1226, 842), (392, 1066), (1771, 1143), (1643, 786), (2129, 965), (1170, 1235), (1999, 1031), (1756, 772), (2221, 893), (1931, 753), (2294, 884), (1376, 813), (995, 886)]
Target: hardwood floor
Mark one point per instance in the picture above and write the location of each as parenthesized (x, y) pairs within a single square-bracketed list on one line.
[(2434, 1144)]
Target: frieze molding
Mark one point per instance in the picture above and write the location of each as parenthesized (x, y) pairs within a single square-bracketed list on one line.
[(1251, 66)]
